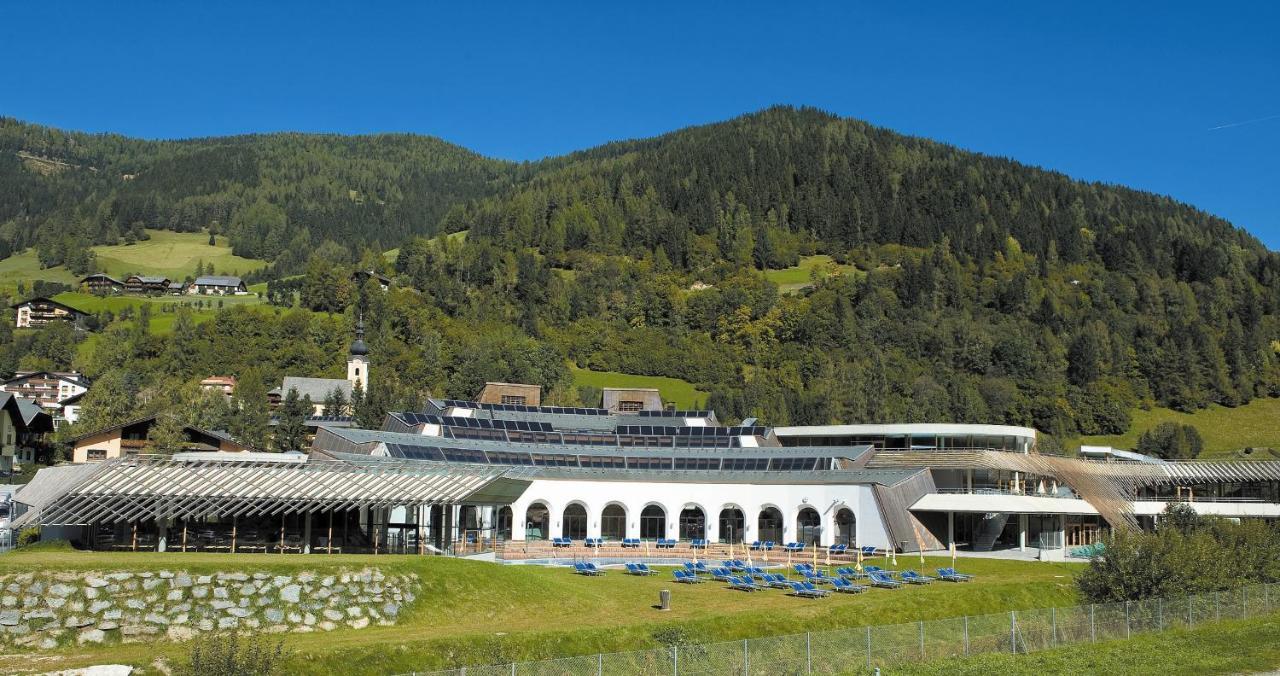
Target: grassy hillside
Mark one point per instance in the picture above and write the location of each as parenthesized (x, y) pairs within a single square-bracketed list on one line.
[(171, 254), (790, 280), (1225, 430), (683, 394), (540, 612)]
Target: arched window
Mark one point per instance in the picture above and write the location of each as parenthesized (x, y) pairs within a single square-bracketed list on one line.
[(613, 522), (808, 526), (769, 525), (846, 527), (653, 523), (537, 522), (504, 523), (732, 524), (693, 523), (574, 523)]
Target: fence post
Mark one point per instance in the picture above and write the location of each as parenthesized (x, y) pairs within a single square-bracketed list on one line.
[(1126, 619), (1053, 624), (922, 640), (868, 646), (808, 654), (746, 658), (599, 664), (675, 660), (1217, 606), (1266, 596), (513, 669), (1013, 632), (1191, 616), (1093, 625), (966, 634)]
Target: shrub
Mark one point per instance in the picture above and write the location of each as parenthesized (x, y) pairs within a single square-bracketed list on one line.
[(28, 536), (228, 655), (1172, 441)]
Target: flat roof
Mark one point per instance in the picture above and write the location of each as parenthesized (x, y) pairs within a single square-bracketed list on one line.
[(892, 429)]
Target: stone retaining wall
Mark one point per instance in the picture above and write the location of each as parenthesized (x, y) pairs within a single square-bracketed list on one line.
[(45, 610)]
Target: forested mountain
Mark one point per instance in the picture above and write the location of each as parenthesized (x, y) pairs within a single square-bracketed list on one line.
[(984, 291), (277, 196)]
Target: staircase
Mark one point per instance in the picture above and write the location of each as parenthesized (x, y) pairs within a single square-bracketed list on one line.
[(993, 524)]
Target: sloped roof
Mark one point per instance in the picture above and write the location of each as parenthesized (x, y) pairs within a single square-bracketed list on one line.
[(218, 280), (46, 299), (316, 388), (149, 279)]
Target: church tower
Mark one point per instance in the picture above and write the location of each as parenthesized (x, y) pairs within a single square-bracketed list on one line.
[(358, 360)]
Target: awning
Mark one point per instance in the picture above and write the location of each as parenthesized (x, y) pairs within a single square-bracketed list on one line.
[(160, 487)]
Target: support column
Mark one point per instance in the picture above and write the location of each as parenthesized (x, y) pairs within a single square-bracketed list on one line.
[(1022, 532), (969, 478), (447, 531), (162, 535), (712, 530), (306, 533), (951, 529), (1062, 531), (632, 528)]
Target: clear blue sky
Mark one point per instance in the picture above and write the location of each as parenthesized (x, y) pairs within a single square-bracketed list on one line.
[(1120, 94)]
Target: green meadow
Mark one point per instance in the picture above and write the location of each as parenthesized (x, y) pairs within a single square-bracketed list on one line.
[(680, 392), (1225, 430), (166, 253)]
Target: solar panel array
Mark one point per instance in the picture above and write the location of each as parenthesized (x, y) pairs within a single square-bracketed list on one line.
[(673, 414), (518, 408), (668, 431), (471, 455), (475, 423)]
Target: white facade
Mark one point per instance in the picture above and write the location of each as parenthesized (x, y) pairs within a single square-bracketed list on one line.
[(358, 371), (711, 498)]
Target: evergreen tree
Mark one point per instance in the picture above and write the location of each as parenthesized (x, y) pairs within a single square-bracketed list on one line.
[(291, 428), (249, 417), (166, 435)]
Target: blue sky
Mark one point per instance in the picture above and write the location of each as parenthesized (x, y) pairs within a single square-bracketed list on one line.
[(1133, 94)]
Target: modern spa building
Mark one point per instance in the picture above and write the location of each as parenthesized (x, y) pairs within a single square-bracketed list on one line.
[(510, 476)]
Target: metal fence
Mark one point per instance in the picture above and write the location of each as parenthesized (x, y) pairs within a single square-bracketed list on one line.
[(848, 650)]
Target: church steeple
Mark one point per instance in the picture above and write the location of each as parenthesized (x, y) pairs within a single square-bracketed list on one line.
[(358, 360)]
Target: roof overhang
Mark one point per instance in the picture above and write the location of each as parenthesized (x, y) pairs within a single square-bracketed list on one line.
[(1017, 504)]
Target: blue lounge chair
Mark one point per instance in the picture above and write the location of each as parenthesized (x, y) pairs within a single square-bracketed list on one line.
[(912, 577), (868, 551), (701, 568), (722, 574), (777, 581), (698, 543), (756, 545), (592, 569), (755, 570), (813, 590), (644, 568), (632, 569), (882, 580), (846, 587), (743, 584), (798, 589), (732, 565), (768, 545), (686, 577), (846, 571), (950, 575), (873, 569), (816, 576)]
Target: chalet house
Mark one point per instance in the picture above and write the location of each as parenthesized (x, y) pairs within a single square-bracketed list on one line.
[(68, 412), (101, 283), (39, 311), (224, 384), (23, 425), (142, 284), (631, 399), (48, 388), (512, 394), (319, 389), (217, 285), (177, 288), (131, 437), (362, 276)]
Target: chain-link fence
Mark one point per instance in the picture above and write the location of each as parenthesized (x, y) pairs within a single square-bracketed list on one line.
[(845, 650)]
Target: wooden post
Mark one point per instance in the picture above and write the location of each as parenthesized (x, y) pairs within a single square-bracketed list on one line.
[(373, 525), (329, 541), (421, 545), (134, 544), (184, 536), (282, 533), (234, 521)]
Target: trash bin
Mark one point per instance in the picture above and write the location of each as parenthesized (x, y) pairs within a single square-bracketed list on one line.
[(664, 599)]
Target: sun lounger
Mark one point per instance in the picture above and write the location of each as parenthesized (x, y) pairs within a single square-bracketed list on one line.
[(950, 575), (722, 574), (798, 589), (686, 577), (768, 545), (913, 577), (810, 588), (846, 587), (756, 545), (743, 583), (698, 543), (777, 581), (868, 551), (701, 568), (882, 580)]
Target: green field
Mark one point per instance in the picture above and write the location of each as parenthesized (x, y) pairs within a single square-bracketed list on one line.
[(679, 392), (793, 279), (171, 254), (471, 612), (1231, 647), (1225, 430)]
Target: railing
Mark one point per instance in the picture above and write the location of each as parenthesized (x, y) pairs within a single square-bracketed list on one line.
[(839, 651), (1199, 499), (1001, 490)]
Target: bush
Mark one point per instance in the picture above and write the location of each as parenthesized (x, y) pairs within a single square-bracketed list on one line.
[(227, 655), (1171, 441), (28, 536)]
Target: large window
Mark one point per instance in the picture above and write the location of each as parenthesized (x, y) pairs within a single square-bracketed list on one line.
[(613, 522), (630, 406), (808, 526), (653, 523), (693, 524), (732, 524), (574, 523), (504, 523), (846, 527), (513, 399), (769, 525), (537, 522)]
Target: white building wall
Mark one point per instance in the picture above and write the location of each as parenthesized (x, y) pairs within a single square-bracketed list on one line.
[(558, 494)]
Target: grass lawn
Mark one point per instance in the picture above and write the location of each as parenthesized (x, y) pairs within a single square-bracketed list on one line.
[(172, 254), (793, 279), (682, 393), (1225, 430), (471, 613), (1231, 647)]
